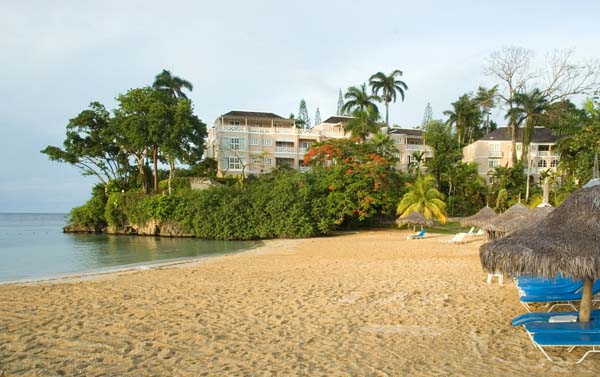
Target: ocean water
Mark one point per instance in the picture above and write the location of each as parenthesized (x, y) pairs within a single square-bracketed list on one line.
[(33, 247)]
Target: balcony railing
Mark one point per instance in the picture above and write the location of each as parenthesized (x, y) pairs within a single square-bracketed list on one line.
[(544, 154), (269, 130), (304, 169), (284, 150), (495, 154)]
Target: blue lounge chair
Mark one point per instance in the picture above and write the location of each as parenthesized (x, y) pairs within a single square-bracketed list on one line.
[(557, 299), (569, 340), (526, 318), (591, 327), (418, 236)]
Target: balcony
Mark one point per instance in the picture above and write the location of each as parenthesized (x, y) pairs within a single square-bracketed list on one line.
[(415, 147), (544, 154), (304, 169), (495, 154), (268, 130), (284, 150)]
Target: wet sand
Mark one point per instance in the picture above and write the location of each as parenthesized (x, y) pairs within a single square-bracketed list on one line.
[(363, 304)]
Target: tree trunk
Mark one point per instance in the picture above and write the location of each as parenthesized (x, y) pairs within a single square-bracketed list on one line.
[(140, 164), (586, 300), (513, 140), (171, 173), (155, 162), (387, 116), (546, 195)]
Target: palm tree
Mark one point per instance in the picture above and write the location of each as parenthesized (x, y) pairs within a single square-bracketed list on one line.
[(417, 161), (363, 123), (530, 108), (171, 85), (359, 99), (423, 197), (465, 115), (385, 146), (390, 87)]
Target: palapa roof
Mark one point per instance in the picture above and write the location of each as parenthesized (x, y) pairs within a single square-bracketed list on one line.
[(481, 218), (415, 218), (566, 242), (515, 212), (522, 221)]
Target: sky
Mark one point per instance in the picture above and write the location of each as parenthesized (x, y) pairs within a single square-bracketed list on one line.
[(57, 57)]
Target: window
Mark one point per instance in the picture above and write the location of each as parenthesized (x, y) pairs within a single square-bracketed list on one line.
[(253, 140), (234, 143), (255, 160), (542, 164), (493, 163), (234, 163), (305, 145), (234, 122), (267, 141), (494, 149), (554, 164), (267, 161)]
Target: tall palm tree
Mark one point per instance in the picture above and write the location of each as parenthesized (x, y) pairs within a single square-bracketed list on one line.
[(423, 197), (385, 146), (359, 99), (529, 108), (465, 116), (390, 87), (171, 85), (363, 123), (417, 161)]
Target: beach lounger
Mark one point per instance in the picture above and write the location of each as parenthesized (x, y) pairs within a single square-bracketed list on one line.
[(458, 238), (560, 299), (471, 231), (526, 318), (479, 233), (571, 286), (591, 327), (568, 340), (417, 236)]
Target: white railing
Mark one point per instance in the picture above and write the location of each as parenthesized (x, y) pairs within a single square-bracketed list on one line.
[(495, 154), (544, 154), (259, 130), (284, 149), (269, 130), (304, 169)]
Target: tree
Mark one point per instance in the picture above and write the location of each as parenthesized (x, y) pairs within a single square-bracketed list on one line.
[(171, 85), (423, 197), (385, 146), (144, 116), (362, 124), (486, 99), (90, 145), (303, 117), (317, 117), (465, 116), (417, 162), (427, 115), (359, 99), (340, 104), (184, 140), (438, 136), (561, 78), (390, 87)]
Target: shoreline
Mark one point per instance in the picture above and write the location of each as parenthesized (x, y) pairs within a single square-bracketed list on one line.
[(136, 267)]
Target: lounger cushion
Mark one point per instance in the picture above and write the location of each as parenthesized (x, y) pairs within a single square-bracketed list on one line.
[(545, 316), (567, 339), (592, 326)]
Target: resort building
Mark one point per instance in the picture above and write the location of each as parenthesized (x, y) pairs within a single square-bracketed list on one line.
[(410, 144), (495, 149), (246, 142)]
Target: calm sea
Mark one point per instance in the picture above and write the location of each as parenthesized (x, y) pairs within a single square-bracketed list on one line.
[(33, 247)]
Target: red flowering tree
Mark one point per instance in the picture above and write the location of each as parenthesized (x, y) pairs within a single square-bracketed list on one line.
[(361, 183)]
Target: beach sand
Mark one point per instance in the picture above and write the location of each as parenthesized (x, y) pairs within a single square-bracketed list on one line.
[(362, 304)]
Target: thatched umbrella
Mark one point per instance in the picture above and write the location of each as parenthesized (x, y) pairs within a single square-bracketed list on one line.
[(522, 221), (495, 227), (414, 218), (481, 218), (566, 242)]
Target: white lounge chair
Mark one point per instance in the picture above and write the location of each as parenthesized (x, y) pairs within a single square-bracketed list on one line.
[(458, 238)]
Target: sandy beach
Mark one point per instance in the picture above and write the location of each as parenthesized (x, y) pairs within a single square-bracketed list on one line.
[(361, 304)]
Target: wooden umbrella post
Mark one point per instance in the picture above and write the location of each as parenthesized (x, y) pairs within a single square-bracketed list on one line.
[(586, 300)]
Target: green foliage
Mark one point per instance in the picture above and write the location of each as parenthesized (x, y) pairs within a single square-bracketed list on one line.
[(390, 87), (177, 185), (363, 123), (423, 197), (91, 214)]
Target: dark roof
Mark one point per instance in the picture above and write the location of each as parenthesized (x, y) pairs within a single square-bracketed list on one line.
[(406, 131), (540, 135), (338, 119), (252, 114)]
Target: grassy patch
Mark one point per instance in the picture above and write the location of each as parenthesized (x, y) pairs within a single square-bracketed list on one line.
[(448, 228)]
